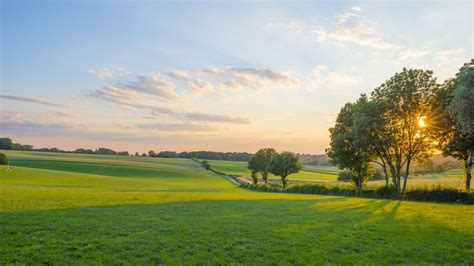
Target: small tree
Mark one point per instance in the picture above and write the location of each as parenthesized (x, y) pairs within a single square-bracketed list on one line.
[(283, 165), (3, 159), (206, 164), (254, 177), (258, 163), (6, 144)]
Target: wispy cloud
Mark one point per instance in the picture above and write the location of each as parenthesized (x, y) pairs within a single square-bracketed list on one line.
[(352, 27), (176, 127), (197, 116), (179, 74), (199, 86), (107, 73), (155, 85), (31, 100), (322, 77)]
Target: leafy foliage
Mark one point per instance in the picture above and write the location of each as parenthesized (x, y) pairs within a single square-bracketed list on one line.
[(284, 164), (259, 162), (3, 159)]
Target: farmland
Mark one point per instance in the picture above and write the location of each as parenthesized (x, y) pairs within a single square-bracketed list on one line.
[(92, 209)]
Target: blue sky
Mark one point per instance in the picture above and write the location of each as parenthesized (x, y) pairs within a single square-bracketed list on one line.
[(213, 75)]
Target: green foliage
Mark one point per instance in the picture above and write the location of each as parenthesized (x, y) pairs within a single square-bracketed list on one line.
[(345, 176), (377, 175), (3, 159), (345, 151), (254, 176), (450, 113), (284, 164), (206, 165), (6, 144), (259, 162)]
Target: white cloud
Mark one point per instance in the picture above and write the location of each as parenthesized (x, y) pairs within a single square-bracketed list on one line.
[(352, 27), (155, 85), (176, 127), (323, 78), (450, 55), (179, 74), (107, 73), (31, 100), (199, 86)]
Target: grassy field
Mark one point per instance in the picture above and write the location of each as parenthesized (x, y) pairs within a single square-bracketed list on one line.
[(90, 209), (328, 174), (308, 173)]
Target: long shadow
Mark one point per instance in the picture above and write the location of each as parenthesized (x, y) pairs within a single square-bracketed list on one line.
[(279, 231)]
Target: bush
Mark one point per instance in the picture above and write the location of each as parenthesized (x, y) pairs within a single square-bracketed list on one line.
[(3, 159), (206, 164), (345, 176), (377, 175), (438, 194)]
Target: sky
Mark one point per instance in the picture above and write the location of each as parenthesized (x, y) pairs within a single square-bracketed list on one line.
[(210, 75)]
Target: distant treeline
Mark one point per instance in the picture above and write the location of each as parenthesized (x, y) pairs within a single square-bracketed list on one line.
[(7, 144), (207, 155)]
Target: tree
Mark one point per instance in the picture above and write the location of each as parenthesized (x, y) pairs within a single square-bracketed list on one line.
[(403, 118), (206, 165), (254, 177), (151, 153), (452, 127), (258, 163), (345, 152), (6, 144), (3, 159), (137, 154), (283, 165)]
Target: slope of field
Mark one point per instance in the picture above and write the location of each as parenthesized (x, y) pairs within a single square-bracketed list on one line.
[(240, 168), (76, 209)]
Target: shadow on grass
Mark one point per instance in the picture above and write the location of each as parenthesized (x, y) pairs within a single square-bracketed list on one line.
[(335, 230)]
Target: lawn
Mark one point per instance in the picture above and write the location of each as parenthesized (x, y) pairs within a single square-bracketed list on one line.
[(91, 209)]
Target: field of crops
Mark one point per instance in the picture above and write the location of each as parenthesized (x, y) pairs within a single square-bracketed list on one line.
[(91, 209)]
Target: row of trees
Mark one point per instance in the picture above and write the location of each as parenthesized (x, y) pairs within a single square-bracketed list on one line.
[(267, 161), (7, 144), (207, 155), (407, 118)]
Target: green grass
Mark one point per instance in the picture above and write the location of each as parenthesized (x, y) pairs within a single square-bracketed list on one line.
[(89, 209), (240, 169)]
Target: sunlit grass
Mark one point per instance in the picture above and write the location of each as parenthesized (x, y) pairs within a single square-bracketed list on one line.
[(170, 211)]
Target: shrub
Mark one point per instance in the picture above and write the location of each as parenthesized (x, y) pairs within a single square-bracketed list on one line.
[(3, 159), (206, 164), (377, 175), (345, 176)]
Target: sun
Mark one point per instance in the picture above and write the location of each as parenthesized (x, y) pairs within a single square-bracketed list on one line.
[(422, 121)]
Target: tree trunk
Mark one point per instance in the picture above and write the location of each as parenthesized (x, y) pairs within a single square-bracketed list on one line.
[(386, 175), (265, 177), (284, 181), (467, 167), (405, 178)]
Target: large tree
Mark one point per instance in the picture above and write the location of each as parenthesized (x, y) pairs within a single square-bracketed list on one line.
[(283, 165), (453, 127), (344, 151), (403, 111), (259, 162)]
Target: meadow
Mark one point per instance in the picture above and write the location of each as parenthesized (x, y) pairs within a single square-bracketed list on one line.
[(92, 209), (328, 175), (308, 172)]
